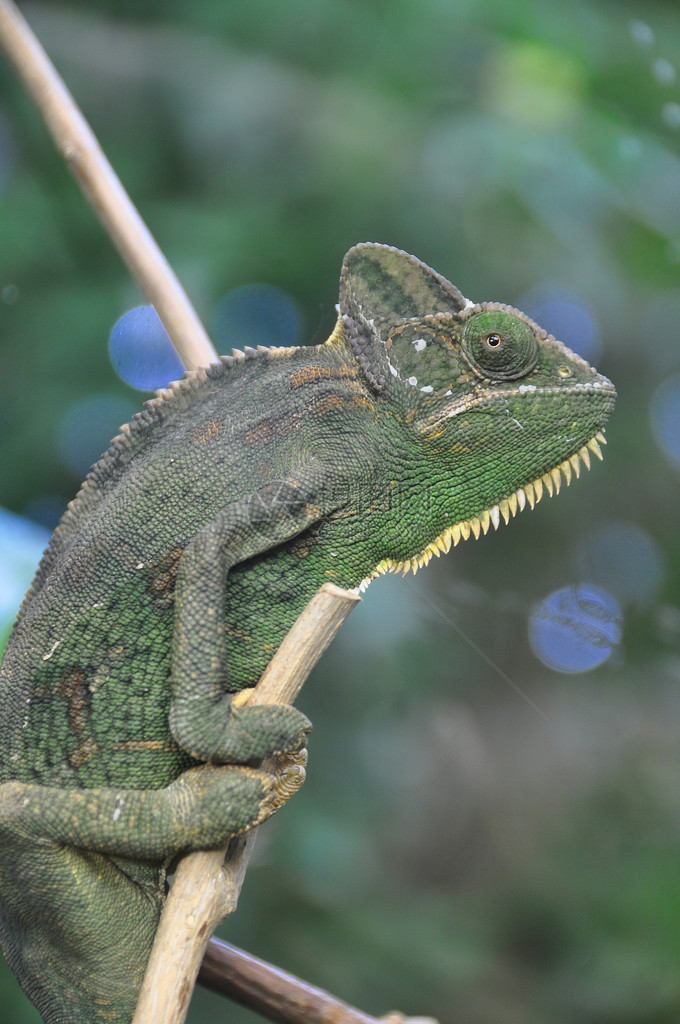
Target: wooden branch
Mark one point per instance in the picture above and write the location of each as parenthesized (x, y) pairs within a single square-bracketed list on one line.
[(271, 992), (206, 888), (278, 996), (79, 147)]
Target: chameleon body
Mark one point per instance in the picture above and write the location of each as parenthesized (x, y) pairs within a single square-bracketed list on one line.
[(191, 548)]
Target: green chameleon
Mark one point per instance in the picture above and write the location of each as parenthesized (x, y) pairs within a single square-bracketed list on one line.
[(188, 553)]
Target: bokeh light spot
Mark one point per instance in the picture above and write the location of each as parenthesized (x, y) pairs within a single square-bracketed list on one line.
[(567, 318), (641, 32), (535, 84), (670, 112), (47, 510), (663, 71), (575, 629), (256, 314), (664, 412), (86, 429), (630, 147), (141, 351), (21, 545)]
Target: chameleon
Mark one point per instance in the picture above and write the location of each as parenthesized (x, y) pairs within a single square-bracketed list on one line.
[(189, 551)]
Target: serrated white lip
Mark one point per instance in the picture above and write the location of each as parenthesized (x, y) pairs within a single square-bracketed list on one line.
[(530, 494)]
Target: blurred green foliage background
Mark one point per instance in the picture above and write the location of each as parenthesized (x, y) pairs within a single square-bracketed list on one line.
[(481, 838)]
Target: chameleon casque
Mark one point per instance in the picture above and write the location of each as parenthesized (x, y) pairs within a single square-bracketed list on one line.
[(188, 553)]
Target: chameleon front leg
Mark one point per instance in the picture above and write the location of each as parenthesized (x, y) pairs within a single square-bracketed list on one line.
[(203, 719)]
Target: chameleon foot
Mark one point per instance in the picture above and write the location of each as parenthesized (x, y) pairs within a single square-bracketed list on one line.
[(288, 772)]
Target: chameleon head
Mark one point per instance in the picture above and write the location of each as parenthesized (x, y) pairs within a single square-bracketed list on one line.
[(502, 411)]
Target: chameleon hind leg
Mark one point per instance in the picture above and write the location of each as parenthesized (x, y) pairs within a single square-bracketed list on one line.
[(93, 864), (81, 952)]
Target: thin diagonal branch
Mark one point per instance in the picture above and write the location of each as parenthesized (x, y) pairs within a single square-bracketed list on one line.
[(78, 145)]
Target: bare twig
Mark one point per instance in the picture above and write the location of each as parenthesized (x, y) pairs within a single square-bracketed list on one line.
[(79, 147), (206, 887), (271, 992), (278, 996)]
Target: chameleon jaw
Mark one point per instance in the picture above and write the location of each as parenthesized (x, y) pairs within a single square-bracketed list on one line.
[(530, 494)]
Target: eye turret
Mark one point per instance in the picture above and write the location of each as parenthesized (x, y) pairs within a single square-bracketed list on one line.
[(499, 345)]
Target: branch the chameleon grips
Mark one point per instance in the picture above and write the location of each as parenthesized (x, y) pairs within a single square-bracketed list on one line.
[(77, 143), (206, 887)]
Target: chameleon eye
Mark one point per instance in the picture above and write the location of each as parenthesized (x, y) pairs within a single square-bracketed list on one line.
[(499, 345)]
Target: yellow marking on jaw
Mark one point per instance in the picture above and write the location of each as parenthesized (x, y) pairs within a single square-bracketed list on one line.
[(505, 509), (433, 435)]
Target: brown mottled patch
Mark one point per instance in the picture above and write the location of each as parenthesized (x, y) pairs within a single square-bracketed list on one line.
[(238, 633), (342, 513), (164, 575), (131, 745), (74, 689), (209, 432), (272, 427), (83, 754), (363, 402), (310, 374), (327, 402), (262, 432), (302, 545), (381, 504), (101, 676)]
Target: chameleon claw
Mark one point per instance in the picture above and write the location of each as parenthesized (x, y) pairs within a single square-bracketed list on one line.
[(288, 772)]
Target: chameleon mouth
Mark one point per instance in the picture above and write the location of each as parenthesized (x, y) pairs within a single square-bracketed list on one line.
[(530, 494), (488, 396)]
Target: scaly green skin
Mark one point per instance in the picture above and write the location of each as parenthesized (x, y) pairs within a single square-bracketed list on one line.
[(189, 552)]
